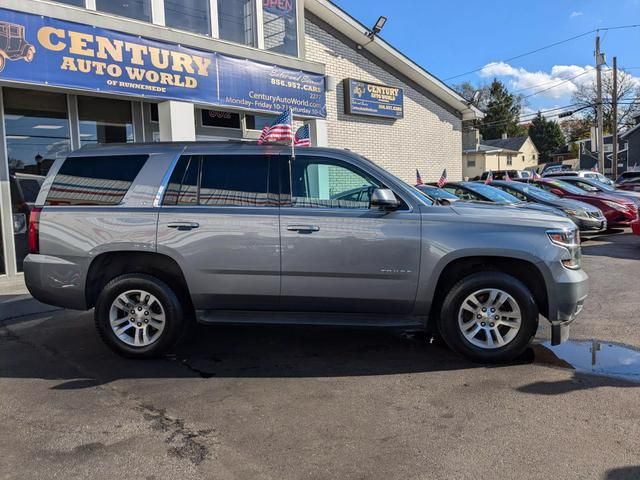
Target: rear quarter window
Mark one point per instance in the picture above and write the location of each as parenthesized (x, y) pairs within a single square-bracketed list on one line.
[(102, 180)]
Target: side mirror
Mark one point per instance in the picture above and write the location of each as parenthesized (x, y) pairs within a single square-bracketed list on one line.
[(557, 191), (384, 199), (444, 202)]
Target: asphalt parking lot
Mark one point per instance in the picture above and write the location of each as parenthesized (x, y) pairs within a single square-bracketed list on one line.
[(290, 403)]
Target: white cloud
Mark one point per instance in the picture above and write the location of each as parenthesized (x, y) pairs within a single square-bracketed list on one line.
[(559, 83), (575, 14)]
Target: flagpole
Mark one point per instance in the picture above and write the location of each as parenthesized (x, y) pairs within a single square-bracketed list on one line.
[(293, 157), (293, 142)]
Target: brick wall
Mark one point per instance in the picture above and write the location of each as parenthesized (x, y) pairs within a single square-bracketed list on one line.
[(428, 138)]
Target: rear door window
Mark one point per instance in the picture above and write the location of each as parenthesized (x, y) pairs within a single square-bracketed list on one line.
[(222, 181), (101, 180), (236, 181)]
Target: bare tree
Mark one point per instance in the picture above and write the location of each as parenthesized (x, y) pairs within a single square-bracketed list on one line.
[(628, 99)]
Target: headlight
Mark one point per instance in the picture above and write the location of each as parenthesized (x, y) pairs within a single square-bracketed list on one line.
[(568, 211), (615, 206), (570, 241)]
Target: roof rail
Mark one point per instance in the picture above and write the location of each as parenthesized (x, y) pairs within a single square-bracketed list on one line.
[(238, 141)]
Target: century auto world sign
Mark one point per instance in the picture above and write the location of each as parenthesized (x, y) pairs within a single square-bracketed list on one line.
[(46, 51)]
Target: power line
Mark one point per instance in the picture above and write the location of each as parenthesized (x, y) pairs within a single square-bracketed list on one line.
[(532, 115), (546, 47)]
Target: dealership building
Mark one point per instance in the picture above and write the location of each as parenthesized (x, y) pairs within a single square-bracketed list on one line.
[(80, 72)]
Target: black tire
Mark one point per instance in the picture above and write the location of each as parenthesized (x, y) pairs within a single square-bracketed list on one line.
[(452, 333), (175, 319)]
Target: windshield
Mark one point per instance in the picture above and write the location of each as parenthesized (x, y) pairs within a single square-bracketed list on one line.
[(603, 186), (538, 193), (492, 193), (435, 192), (567, 187)]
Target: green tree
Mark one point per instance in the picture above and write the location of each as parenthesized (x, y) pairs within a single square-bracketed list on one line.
[(468, 91), (546, 135), (502, 113)]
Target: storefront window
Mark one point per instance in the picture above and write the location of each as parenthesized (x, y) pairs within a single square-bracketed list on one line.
[(258, 122), (104, 120), (236, 21), (154, 124), (219, 118), (189, 15), (280, 26), (37, 129), (137, 9)]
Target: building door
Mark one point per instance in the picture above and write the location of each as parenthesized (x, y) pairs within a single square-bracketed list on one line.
[(337, 253)]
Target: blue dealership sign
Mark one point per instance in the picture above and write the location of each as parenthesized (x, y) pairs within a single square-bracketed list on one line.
[(46, 51), (365, 98)]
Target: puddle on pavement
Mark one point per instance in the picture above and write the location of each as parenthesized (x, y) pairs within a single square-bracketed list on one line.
[(593, 357)]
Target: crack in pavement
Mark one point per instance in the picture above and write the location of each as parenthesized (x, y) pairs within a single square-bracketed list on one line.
[(183, 443)]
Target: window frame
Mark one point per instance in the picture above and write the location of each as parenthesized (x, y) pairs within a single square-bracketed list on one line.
[(158, 17)]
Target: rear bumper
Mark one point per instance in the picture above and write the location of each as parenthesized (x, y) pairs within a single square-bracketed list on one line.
[(55, 281)]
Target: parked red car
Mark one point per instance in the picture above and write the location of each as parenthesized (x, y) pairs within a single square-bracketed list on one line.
[(619, 211)]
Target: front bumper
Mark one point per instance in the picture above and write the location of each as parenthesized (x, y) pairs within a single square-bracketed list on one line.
[(566, 293), (590, 224)]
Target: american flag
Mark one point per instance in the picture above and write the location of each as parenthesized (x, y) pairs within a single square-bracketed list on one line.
[(535, 176), (418, 178), (489, 178), (595, 167), (280, 131), (443, 179), (303, 136), (507, 178)]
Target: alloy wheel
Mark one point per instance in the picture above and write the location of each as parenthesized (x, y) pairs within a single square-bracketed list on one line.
[(137, 318), (489, 318)]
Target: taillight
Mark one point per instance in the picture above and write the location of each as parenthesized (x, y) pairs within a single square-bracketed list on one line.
[(34, 230)]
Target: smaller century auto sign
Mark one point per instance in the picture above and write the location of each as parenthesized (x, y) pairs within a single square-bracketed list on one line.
[(364, 98)]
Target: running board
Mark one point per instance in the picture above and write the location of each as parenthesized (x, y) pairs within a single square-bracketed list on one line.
[(308, 318)]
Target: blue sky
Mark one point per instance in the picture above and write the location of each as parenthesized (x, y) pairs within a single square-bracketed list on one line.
[(454, 36)]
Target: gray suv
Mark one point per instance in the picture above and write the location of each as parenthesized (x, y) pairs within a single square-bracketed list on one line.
[(157, 236)]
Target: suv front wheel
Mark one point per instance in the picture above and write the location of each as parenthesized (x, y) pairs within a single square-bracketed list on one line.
[(138, 315), (489, 317)]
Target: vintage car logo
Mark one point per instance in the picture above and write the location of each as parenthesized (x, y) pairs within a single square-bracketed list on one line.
[(358, 89), (13, 46)]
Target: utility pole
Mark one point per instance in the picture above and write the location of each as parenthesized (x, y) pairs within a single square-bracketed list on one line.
[(614, 129), (600, 133)]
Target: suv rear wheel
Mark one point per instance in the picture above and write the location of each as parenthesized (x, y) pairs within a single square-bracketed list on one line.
[(489, 317), (138, 315)]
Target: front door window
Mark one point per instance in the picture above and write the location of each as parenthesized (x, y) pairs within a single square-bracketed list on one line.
[(319, 183)]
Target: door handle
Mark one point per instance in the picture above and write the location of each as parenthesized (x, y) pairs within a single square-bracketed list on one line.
[(303, 228), (183, 226)]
